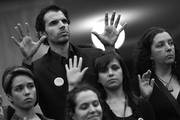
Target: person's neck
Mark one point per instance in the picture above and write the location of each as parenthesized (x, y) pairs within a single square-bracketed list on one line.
[(115, 94), (61, 49), (28, 113), (163, 71)]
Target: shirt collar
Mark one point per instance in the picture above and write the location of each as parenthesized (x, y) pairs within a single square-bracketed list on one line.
[(72, 51)]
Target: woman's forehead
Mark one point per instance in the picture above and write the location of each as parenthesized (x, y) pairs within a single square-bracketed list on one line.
[(86, 96), (21, 79), (164, 36)]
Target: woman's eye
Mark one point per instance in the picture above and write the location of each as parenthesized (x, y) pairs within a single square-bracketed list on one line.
[(31, 85), (84, 106), (115, 67), (19, 88), (170, 42), (96, 103), (160, 44)]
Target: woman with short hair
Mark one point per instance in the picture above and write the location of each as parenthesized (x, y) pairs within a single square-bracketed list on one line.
[(19, 85)]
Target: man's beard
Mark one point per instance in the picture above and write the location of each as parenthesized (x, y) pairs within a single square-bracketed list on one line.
[(61, 42)]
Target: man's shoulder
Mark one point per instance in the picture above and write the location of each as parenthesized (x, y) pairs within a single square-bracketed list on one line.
[(41, 59), (41, 62)]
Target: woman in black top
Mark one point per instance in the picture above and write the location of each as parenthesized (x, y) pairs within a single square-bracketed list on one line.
[(157, 60), (114, 84)]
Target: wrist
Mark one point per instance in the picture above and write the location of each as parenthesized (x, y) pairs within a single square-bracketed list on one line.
[(110, 48), (27, 60), (71, 86)]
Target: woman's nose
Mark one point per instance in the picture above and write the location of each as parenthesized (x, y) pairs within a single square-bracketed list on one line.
[(92, 108), (26, 91), (110, 72), (168, 47)]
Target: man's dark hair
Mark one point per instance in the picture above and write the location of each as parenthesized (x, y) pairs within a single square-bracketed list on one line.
[(40, 23)]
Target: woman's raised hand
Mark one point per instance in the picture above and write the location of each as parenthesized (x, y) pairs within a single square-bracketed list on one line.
[(110, 34), (146, 84)]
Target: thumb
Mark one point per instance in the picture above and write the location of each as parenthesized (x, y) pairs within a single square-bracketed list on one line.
[(139, 78), (152, 82), (96, 34), (84, 70), (42, 38), (124, 26)]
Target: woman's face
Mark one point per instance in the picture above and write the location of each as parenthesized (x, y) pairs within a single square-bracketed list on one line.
[(162, 49), (87, 106), (23, 92), (112, 76)]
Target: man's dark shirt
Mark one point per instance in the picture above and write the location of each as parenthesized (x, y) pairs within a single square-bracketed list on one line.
[(52, 84)]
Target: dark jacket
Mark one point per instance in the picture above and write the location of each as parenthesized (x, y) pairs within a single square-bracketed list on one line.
[(52, 84), (162, 105)]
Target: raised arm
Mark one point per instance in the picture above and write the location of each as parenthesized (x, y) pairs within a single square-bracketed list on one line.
[(110, 34), (25, 42), (74, 72)]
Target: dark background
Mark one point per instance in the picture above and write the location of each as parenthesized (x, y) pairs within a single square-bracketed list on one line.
[(139, 15)]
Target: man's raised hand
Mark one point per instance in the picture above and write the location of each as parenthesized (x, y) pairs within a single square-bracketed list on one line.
[(25, 42)]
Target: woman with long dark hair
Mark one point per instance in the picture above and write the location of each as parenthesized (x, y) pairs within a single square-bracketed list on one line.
[(157, 67), (114, 81)]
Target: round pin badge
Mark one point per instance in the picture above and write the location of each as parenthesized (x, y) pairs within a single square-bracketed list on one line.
[(140, 118), (58, 81)]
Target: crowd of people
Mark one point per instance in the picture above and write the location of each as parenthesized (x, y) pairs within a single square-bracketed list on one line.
[(74, 83)]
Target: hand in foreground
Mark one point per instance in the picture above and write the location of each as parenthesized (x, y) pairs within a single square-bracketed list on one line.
[(110, 34), (74, 72), (146, 84), (25, 41)]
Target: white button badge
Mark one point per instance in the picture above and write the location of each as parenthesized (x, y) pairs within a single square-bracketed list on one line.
[(58, 81)]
